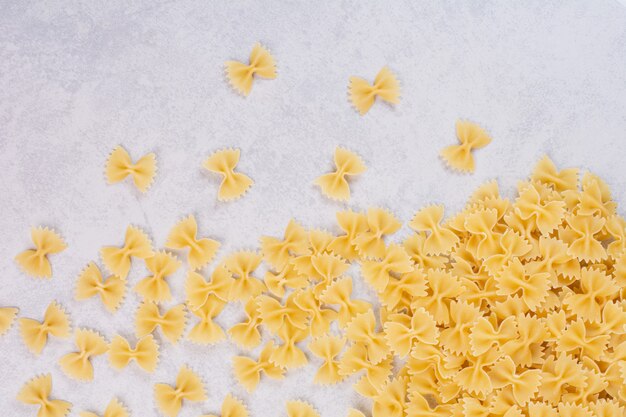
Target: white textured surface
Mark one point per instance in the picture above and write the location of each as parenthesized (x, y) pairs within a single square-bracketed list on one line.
[(79, 77)]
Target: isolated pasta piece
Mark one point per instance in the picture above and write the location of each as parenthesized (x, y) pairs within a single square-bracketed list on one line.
[(78, 365), (440, 239), (207, 331), (471, 136), (184, 236), (246, 334), (55, 323), (241, 265), (370, 243), (231, 407), (335, 185), (352, 223), (7, 317), (136, 244), (91, 283), (145, 353), (119, 166), (35, 261), (234, 184), (189, 387), (301, 409), (172, 322), (363, 94), (37, 392), (114, 409), (277, 252), (261, 64), (327, 347), (154, 287), (248, 371)]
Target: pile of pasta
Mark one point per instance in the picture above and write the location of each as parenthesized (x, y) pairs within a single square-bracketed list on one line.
[(511, 307)]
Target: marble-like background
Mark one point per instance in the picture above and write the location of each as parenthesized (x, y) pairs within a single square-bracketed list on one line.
[(79, 77)]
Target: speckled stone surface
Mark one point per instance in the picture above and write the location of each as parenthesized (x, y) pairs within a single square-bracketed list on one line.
[(79, 77)]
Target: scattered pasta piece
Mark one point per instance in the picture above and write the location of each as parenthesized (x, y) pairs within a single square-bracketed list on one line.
[(145, 353), (114, 409), (55, 323), (370, 243), (154, 287), (188, 387), (335, 184), (248, 371), (7, 317), (241, 265), (37, 392), (198, 290), (240, 75), (184, 235), (234, 184), (207, 331), (136, 244), (301, 409), (172, 322), (35, 261), (77, 365), (90, 283), (277, 252), (119, 166), (327, 347), (246, 334), (471, 136), (363, 94), (352, 224), (231, 407)]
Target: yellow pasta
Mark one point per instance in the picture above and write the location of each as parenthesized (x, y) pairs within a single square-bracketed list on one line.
[(35, 261), (55, 323), (288, 355), (363, 94), (248, 371), (119, 166), (231, 407), (241, 265), (234, 184), (154, 287), (7, 317), (378, 273), (114, 409), (370, 243), (136, 244), (352, 224), (470, 136), (78, 365), (145, 353), (261, 64), (440, 238), (277, 252), (172, 322), (184, 236), (189, 387), (301, 409), (339, 293), (362, 329), (91, 283), (335, 185), (37, 392), (327, 347), (198, 290), (246, 334), (207, 331)]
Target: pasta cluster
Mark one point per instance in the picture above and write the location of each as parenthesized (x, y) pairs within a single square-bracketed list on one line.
[(511, 307)]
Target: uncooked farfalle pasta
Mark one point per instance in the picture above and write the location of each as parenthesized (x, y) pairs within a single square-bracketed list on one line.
[(363, 94), (35, 261), (241, 76), (119, 166), (234, 184)]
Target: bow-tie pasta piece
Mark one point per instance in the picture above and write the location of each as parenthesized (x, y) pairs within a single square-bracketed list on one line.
[(114, 409), (320, 315), (136, 244), (246, 334), (189, 387), (363, 94), (248, 371), (234, 184), (198, 290), (241, 265), (277, 252), (37, 392), (355, 360), (362, 329), (91, 283), (546, 172), (35, 261), (301, 409), (78, 365), (380, 223), (55, 323), (145, 353), (155, 287), (240, 75), (207, 331), (440, 238), (231, 407), (288, 355), (339, 293), (119, 166), (335, 185), (172, 322), (274, 316), (379, 273), (353, 224), (524, 384), (390, 401), (184, 236), (470, 136), (327, 347), (7, 316), (403, 332)]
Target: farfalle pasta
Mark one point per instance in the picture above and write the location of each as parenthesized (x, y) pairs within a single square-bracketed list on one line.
[(327, 347), (234, 184), (35, 261), (7, 317), (248, 371), (241, 265), (137, 244), (119, 166), (154, 287), (188, 387), (241, 76), (206, 330), (55, 323), (114, 409), (277, 252), (172, 322), (380, 223), (184, 236), (335, 184), (199, 290), (471, 137), (301, 409), (145, 353), (231, 407), (362, 94), (37, 392), (77, 364), (246, 334), (90, 283)]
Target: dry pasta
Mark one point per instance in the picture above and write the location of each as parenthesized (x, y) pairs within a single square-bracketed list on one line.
[(119, 166), (78, 365), (91, 283), (234, 184), (188, 387), (335, 184), (37, 391), (55, 323), (241, 76), (114, 409), (470, 136), (35, 261), (363, 94)]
